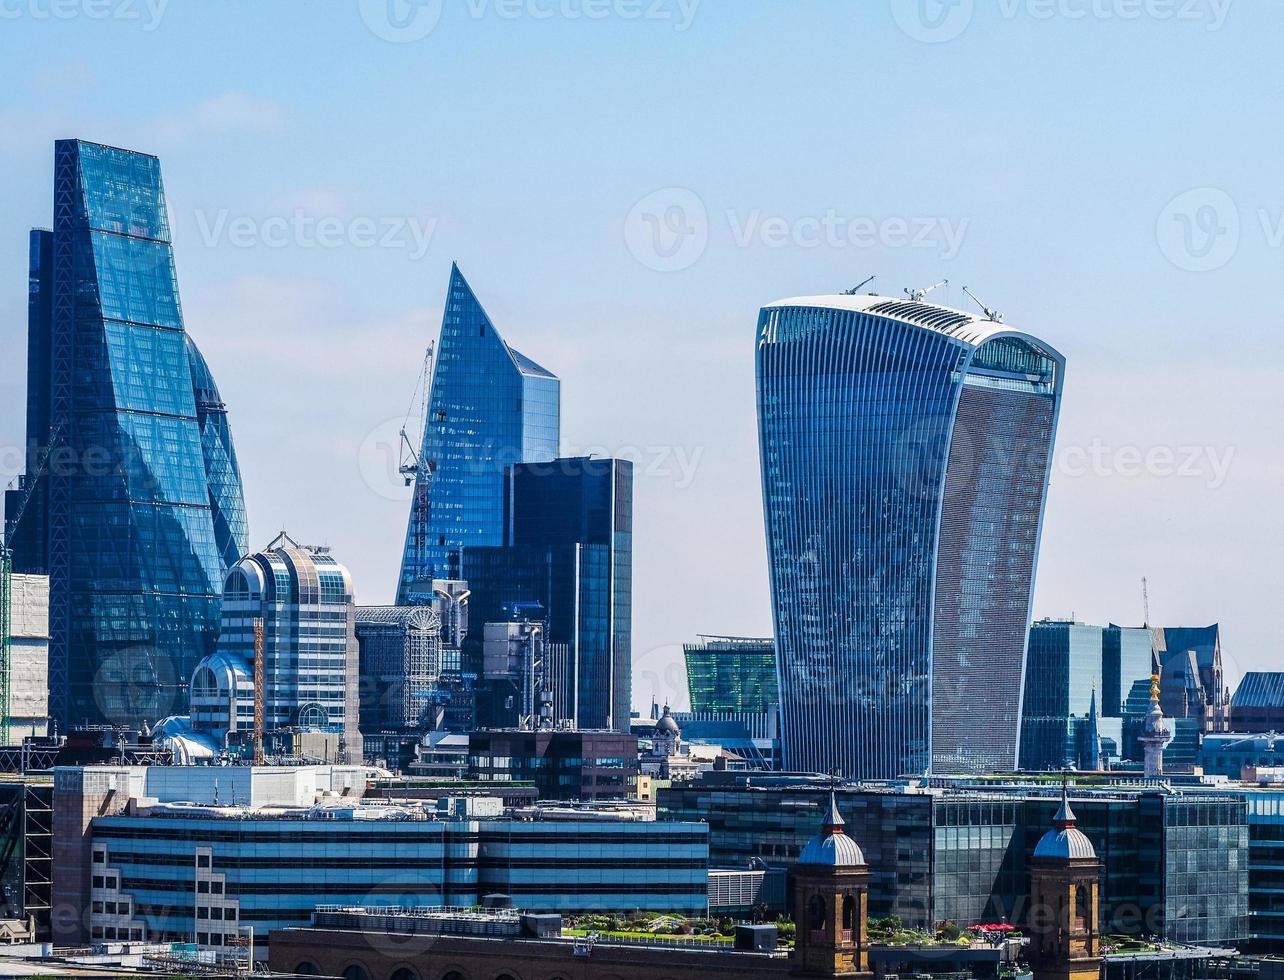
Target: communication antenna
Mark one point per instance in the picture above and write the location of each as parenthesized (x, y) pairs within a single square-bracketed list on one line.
[(856, 289), (916, 295), (990, 314), (1145, 601)]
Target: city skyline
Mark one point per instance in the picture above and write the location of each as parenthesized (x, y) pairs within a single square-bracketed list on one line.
[(1050, 243)]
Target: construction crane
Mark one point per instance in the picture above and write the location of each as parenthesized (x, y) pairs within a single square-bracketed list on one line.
[(259, 693), (990, 314), (414, 468), (6, 574), (916, 295), (408, 465), (857, 288)]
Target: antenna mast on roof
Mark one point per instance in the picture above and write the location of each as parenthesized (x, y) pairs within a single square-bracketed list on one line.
[(916, 295), (857, 288), (1145, 602), (990, 314)]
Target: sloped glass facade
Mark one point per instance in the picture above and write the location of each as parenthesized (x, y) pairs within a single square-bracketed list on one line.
[(490, 408), (905, 453), (127, 531), (731, 674), (222, 474)]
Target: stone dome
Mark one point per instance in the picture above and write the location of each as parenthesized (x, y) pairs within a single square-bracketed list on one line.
[(667, 724), (1065, 842), (832, 848)]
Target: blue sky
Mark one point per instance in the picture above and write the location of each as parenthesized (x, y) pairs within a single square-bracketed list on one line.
[(625, 182)]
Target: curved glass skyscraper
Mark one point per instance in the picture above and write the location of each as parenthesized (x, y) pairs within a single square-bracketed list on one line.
[(136, 508), (490, 408), (222, 474), (905, 453)]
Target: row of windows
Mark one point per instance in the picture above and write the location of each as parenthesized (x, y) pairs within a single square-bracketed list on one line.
[(420, 833), (694, 885)]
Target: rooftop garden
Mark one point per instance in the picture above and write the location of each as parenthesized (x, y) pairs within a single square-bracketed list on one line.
[(653, 925), (890, 931)]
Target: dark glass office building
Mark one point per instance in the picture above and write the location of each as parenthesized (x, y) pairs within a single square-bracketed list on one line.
[(905, 452), (28, 538), (1194, 679), (137, 507), (1174, 864), (731, 674), (1063, 673), (1128, 654), (490, 408), (569, 528)]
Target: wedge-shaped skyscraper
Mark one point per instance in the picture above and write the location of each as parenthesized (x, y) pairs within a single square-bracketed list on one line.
[(905, 453), (134, 503), (490, 408)]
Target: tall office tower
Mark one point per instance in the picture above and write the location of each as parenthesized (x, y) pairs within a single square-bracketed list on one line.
[(28, 538), (1128, 653), (1062, 681), (731, 674), (905, 453), (569, 527), (120, 512), (311, 665), (490, 408)]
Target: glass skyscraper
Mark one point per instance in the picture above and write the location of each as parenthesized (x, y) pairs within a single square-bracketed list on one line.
[(490, 408), (905, 452), (1128, 656), (118, 404), (569, 534), (1063, 676)]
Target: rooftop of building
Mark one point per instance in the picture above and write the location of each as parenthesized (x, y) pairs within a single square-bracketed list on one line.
[(755, 643), (1086, 787), (966, 326), (662, 932), (1260, 689)]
